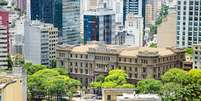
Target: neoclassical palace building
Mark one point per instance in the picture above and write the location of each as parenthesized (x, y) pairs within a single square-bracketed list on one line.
[(85, 62)]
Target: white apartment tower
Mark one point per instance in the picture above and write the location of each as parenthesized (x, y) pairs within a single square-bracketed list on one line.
[(3, 48), (134, 26), (40, 43), (188, 23)]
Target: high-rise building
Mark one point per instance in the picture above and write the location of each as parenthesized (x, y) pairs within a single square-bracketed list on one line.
[(40, 43), (137, 7), (58, 16), (188, 23), (151, 12), (42, 10), (99, 25), (4, 36), (21, 5), (166, 31), (196, 56), (71, 21), (134, 26), (4, 48)]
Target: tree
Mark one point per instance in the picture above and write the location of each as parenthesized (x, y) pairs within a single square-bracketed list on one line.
[(149, 86), (115, 79), (31, 69), (195, 76), (10, 63), (126, 86), (62, 71), (176, 75), (153, 45), (18, 60), (189, 51), (171, 91), (109, 84), (50, 82), (117, 76), (191, 92), (100, 78), (96, 85)]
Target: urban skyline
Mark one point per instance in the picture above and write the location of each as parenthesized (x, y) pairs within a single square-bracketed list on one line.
[(100, 50)]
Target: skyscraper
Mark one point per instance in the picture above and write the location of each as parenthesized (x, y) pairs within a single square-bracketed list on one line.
[(40, 42), (137, 7), (134, 26), (188, 23), (71, 21), (42, 10), (4, 36), (99, 25), (4, 48), (58, 15), (21, 5)]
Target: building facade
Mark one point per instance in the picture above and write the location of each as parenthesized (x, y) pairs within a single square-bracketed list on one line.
[(11, 88), (139, 97), (196, 56), (42, 10), (71, 22), (124, 38), (40, 43), (188, 23), (166, 31), (3, 48), (85, 62), (134, 26), (137, 7), (113, 93), (4, 22), (99, 25), (21, 5)]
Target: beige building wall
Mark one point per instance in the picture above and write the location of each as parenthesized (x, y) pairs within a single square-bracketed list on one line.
[(111, 94), (167, 32), (93, 4), (149, 14), (12, 91)]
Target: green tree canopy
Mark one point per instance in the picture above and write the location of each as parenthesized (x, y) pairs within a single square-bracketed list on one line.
[(176, 75), (31, 69), (100, 78), (149, 86), (115, 79), (171, 91), (195, 76), (62, 71), (189, 51), (49, 81)]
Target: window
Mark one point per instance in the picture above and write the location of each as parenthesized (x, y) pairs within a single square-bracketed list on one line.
[(130, 75), (86, 71), (125, 68), (130, 68), (75, 70), (108, 97), (81, 71), (144, 69)]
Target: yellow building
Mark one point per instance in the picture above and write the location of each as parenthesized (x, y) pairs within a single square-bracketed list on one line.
[(11, 89)]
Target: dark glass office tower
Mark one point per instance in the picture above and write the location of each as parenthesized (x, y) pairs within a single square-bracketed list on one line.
[(42, 10), (58, 15)]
